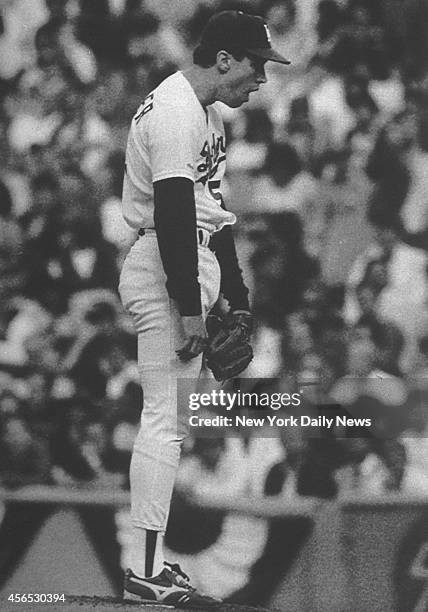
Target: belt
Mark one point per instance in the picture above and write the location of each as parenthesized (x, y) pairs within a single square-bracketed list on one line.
[(204, 237)]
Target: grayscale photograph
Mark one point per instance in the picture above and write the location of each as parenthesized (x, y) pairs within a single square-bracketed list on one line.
[(214, 305)]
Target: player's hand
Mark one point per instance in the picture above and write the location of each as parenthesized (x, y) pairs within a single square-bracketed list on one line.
[(196, 337)]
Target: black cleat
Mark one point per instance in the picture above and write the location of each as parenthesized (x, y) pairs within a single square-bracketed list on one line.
[(170, 588)]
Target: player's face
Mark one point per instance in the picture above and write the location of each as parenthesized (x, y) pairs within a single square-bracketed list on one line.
[(243, 78)]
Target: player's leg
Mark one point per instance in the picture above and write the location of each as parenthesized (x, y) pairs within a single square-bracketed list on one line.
[(163, 424), (158, 444)]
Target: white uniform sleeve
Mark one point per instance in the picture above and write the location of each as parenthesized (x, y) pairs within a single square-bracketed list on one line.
[(172, 142)]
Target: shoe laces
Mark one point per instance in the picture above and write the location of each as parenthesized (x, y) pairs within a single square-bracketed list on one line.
[(180, 578)]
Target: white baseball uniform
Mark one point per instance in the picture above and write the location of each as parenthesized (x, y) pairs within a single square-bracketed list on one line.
[(171, 136)]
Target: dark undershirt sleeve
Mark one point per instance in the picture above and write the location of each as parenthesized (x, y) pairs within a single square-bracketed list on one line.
[(175, 223), (232, 284)]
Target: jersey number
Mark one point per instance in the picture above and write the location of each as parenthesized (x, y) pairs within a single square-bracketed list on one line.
[(147, 106)]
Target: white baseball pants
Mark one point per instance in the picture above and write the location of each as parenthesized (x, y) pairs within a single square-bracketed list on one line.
[(164, 424)]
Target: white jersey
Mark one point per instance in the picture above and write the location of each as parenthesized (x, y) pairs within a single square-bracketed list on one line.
[(172, 136)]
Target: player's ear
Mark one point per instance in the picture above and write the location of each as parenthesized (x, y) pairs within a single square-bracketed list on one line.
[(223, 61)]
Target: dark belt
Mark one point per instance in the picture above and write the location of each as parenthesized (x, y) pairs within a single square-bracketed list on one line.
[(202, 236)]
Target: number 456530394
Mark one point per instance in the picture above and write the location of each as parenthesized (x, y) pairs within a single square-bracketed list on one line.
[(36, 597)]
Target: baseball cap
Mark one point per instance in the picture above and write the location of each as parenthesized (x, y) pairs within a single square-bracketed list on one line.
[(235, 30)]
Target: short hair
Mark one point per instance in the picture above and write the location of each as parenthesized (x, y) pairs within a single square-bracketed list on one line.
[(48, 33), (143, 25), (44, 180), (206, 55), (283, 157), (100, 312)]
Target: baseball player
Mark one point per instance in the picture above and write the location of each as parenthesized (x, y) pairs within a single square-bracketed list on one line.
[(173, 275)]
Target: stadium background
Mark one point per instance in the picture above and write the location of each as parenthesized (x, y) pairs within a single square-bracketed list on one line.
[(327, 169)]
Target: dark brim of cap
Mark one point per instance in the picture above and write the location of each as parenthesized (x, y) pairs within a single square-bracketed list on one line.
[(269, 54)]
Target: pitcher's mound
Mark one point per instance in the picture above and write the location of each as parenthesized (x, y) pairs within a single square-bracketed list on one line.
[(82, 603)]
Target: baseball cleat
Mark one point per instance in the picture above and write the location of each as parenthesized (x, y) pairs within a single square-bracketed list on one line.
[(169, 588)]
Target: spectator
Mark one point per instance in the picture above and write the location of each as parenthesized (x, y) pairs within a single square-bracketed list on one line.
[(383, 263), (330, 19), (284, 185), (24, 460), (58, 48), (91, 355), (96, 450), (388, 168), (27, 320), (123, 424), (17, 42), (39, 406), (328, 109), (10, 405), (78, 202), (69, 84), (40, 225), (102, 32), (100, 359), (361, 42), (82, 138), (86, 260), (114, 228), (69, 460), (281, 270), (248, 150), (150, 37), (11, 245)]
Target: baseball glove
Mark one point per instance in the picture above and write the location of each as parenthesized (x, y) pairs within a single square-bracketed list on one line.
[(229, 351)]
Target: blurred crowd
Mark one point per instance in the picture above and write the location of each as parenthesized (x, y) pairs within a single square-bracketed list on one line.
[(328, 172)]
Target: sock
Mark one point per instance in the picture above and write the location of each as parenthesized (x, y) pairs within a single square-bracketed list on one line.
[(147, 552)]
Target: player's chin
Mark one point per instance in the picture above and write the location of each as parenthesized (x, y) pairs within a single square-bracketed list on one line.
[(239, 101)]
